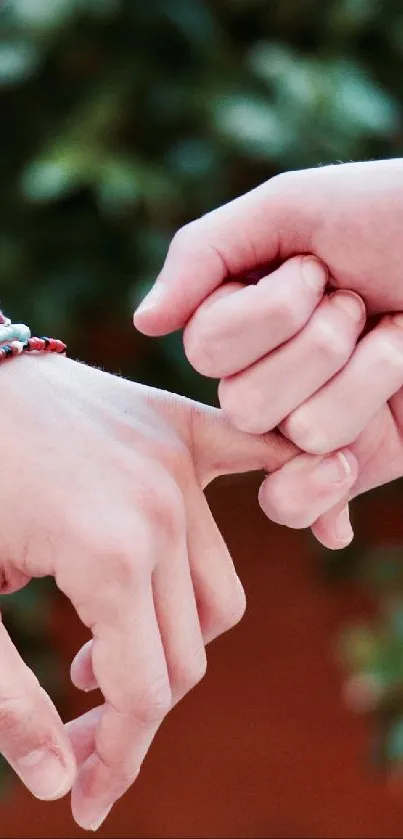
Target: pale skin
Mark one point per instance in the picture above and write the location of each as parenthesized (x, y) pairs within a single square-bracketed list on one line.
[(104, 492), (287, 352), (105, 480)]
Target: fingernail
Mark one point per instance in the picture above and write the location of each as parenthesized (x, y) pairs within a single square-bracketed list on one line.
[(97, 824), (350, 303), (152, 299), (343, 530), (44, 774), (314, 273), (333, 469)]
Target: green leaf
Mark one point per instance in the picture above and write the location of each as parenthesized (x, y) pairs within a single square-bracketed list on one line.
[(272, 62), (102, 8), (194, 158), (119, 184), (352, 15), (18, 60), (49, 180), (369, 108), (193, 19), (338, 94), (254, 125), (42, 14)]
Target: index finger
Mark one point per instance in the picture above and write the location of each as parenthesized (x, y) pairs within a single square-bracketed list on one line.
[(32, 737), (241, 236)]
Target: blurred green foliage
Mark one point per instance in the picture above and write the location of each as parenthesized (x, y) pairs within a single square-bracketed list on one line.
[(121, 120)]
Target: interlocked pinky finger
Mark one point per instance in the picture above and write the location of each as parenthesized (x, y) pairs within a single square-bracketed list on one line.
[(308, 486), (333, 528)]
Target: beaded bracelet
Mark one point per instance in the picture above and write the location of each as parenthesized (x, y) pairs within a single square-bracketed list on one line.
[(15, 339)]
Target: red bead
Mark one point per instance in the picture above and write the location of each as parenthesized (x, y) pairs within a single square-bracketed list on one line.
[(57, 346), (35, 345), (45, 345)]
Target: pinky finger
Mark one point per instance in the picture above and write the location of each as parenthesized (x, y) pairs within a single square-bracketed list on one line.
[(306, 488), (333, 529)]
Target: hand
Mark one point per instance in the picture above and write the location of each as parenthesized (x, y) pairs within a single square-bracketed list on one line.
[(103, 491), (332, 415), (348, 216), (259, 337)]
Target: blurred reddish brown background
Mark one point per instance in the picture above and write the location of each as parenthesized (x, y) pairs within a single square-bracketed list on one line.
[(264, 746), (121, 122)]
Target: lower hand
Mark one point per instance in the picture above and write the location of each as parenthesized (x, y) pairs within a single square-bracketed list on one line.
[(104, 492)]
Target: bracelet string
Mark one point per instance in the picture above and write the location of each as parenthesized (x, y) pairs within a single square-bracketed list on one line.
[(16, 339)]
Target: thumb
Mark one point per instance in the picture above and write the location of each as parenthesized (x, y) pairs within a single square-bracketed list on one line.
[(231, 241), (221, 449)]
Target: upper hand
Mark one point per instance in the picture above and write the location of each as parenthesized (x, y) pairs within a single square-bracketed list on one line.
[(282, 355), (350, 216), (275, 344)]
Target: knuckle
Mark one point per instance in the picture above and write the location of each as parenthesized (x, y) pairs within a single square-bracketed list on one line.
[(231, 611), (191, 672), (212, 333), (291, 500), (120, 568), (223, 610), (329, 341), (224, 605), (204, 342), (161, 498), (229, 398), (165, 508), (14, 712), (124, 773), (123, 568), (154, 702), (242, 405), (304, 428), (238, 606), (279, 505), (389, 350), (199, 342)]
